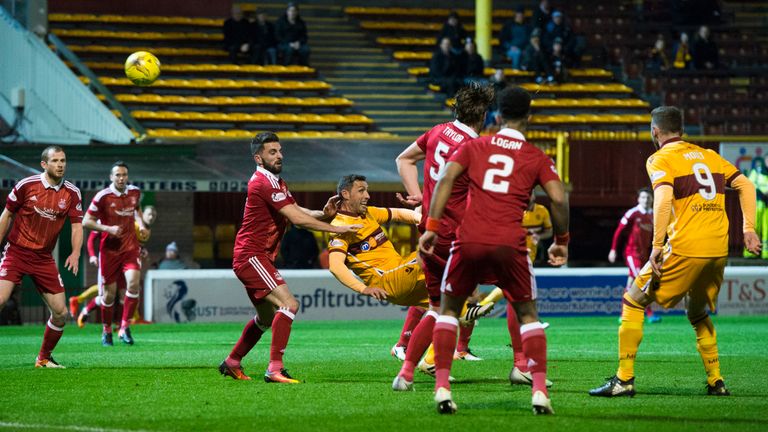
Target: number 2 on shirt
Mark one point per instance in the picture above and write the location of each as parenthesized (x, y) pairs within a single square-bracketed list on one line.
[(493, 180)]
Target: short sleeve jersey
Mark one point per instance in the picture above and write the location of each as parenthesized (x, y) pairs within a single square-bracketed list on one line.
[(112, 207), (537, 219), (503, 170), (40, 209), (263, 226), (637, 224), (699, 225), (369, 252), (438, 144)]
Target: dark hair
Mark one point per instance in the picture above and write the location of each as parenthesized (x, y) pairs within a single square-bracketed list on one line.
[(646, 190), (514, 103), (119, 164), (668, 119), (472, 103), (346, 182), (257, 144), (49, 149)]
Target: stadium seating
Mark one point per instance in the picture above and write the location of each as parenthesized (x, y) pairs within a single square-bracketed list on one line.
[(224, 235), (202, 249)]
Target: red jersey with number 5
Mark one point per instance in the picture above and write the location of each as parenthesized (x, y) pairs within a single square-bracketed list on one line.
[(503, 169), (438, 144)]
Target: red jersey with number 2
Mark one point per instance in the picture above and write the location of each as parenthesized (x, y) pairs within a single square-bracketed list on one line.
[(503, 169), (438, 144)]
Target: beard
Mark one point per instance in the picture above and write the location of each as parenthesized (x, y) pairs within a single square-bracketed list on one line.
[(273, 168)]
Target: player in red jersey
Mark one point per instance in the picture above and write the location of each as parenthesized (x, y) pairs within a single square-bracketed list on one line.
[(503, 170), (434, 147), (268, 209), (115, 211), (38, 205), (637, 226)]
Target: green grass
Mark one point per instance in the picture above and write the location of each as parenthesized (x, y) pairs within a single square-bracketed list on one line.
[(168, 381)]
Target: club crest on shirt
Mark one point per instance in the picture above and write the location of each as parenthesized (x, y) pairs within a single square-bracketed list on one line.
[(62, 203), (278, 196)]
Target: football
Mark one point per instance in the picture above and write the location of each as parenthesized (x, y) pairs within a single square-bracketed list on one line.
[(142, 68)]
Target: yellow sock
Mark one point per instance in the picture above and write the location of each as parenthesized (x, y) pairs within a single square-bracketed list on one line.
[(492, 297), (630, 336), (429, 357), (88, 294), (706, 342)]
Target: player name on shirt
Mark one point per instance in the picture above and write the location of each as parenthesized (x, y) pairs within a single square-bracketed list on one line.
[(507, 144), (452, 134)]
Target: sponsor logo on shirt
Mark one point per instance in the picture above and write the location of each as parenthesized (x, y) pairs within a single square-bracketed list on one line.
[(278, 196), (365, 246), (126, 212), (46, 213)]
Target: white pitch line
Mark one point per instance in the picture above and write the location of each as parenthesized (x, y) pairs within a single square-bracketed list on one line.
[(63, 427)]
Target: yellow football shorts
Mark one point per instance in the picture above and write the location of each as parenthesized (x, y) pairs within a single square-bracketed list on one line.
[(405, 284)]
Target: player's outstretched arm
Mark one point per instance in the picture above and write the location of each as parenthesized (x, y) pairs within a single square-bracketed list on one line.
[(73, 260), (748, 203), (328, 212), (558, 252), (662, 214), (92, 224), (5, 222), (340, 271), (409, 174), (298, 217), (405, 216)]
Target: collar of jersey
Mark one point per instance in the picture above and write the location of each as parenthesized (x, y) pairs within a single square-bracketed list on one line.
[(644, 211), (50, 186), (267, 173), (350, 214), (117, 192), (467, 130), (512, 133)]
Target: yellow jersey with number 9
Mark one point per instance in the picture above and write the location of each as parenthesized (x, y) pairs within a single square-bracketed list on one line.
[(698, 225)]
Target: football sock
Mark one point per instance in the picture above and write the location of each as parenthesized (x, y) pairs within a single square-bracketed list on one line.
[(106, 316), (648, 311), (521, 362), (465, 334), (251, 335), (281, 331), (96, 301), (420, 341), (535, 349), (411, 321), (50, 339), (88, 294), (630, 336), (492, 297), (444, 337), (706, 343), (129, 307)]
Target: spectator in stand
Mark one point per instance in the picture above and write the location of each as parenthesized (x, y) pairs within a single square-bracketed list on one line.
[(172, 260), (704, 51), (682, 53), (299, 249), (236, 35), (473, 64), (261, 37), (542, 14), (535, 59), (559, 62), (557, 28), (658, 60), (445, 68), (454, 30), (291, 33), (499, 83), (514, 37)]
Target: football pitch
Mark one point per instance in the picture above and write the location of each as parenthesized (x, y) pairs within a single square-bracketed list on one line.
[(169, 381)]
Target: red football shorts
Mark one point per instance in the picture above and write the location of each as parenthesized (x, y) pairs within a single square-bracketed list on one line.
[(40, 266), (259, 276), (473, 263), (113, 265)]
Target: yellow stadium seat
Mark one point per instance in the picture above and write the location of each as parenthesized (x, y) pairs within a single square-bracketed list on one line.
[(202, 237)]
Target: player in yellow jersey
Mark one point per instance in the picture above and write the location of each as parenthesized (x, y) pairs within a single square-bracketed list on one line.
[(383, 273), (149, 215), (689, 207), (537, 222)]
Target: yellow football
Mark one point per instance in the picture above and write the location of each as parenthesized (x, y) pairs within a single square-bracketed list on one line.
[(142, 68)]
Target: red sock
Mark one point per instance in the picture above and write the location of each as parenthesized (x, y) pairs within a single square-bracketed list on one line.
[(129, 308), (521, 362), (106, 316), (411, 321), (50, 339), (251, 335), (648, 311), (90, 306), (281, 331), (535, 348), (417, 346), (465, 334), (444, 338)]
